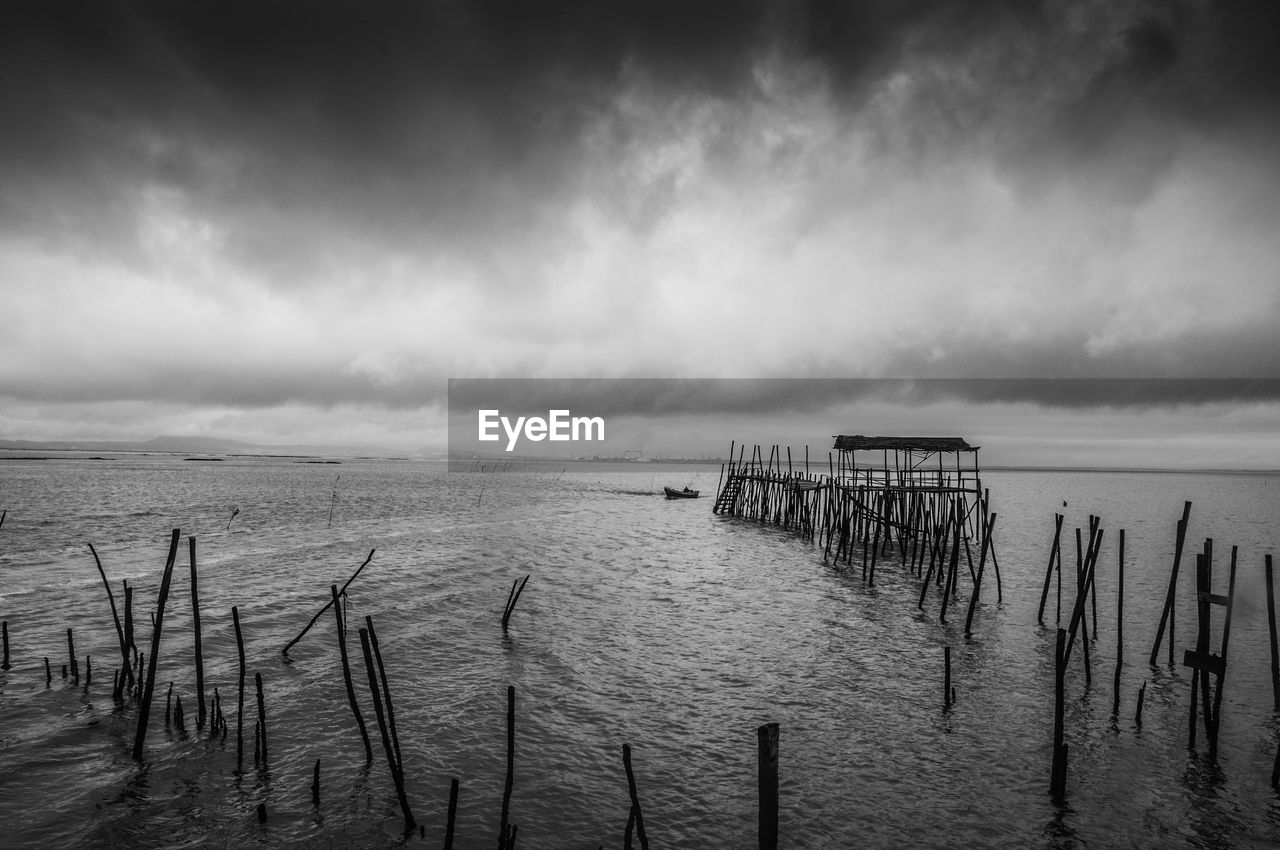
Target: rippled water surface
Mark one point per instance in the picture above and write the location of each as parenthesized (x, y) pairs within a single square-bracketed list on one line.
[(646, 621)]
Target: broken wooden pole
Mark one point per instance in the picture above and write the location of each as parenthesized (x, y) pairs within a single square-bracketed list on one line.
[(512, 599), (346, 675), (235, 618), (397, 774), (302, 633), (635, 798), (767, 780), (195, 618), (144, 708), (179, 718), (1271, 626), (1166, 613)]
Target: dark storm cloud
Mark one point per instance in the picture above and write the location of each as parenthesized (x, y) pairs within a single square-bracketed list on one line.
[(806, 397), (375, 177)]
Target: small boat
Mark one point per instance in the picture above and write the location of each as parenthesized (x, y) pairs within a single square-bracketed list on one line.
[(686, 493)]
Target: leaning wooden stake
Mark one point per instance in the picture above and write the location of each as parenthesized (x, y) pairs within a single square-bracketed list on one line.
[(144, 709), (346, 675), (386, 690), (1167, 613), (235, 618), (977, 582), (397, 773), (319, 613), (636, 814), (767, 776), (1226, 640), (115, 617), (503, 828), (512, 598)]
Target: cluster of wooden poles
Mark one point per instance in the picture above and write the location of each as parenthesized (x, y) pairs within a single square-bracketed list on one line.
[(135, 681), (1205, 703), (928, 529)]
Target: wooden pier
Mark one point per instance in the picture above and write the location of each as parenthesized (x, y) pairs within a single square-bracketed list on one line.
[(917, 498)]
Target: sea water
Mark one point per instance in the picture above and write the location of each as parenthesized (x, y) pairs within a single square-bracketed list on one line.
[(647, 622)]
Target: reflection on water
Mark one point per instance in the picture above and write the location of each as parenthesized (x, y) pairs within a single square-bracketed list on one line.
[(646, 621)]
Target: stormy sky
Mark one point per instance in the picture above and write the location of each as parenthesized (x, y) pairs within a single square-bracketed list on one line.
[(292, 222)]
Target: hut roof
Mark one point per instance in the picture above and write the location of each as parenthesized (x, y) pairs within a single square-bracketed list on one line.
[(919, 444)]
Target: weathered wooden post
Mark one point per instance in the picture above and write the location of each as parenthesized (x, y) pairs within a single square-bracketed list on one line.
[(195, 621), (4, 627), (767, 746), (397, 772), (503, 827), (637, 816), (946, 678), (1271, 626), (144, 709), (1115, 708), (1058, 778), (1166, 614), (235, 618)]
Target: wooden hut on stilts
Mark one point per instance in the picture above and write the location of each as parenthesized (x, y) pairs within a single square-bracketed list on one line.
[(919, 499)]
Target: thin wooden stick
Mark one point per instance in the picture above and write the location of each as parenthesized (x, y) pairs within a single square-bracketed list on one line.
[(195, 617), (396, 776), (512, 600), (511, 767), (302, 633), (235, 618), (635, 797), (262, 716), (386, 692), (346, 675), (1167, 612), (111, 597), (1271, 625), (1115, 708), (144, 710)]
